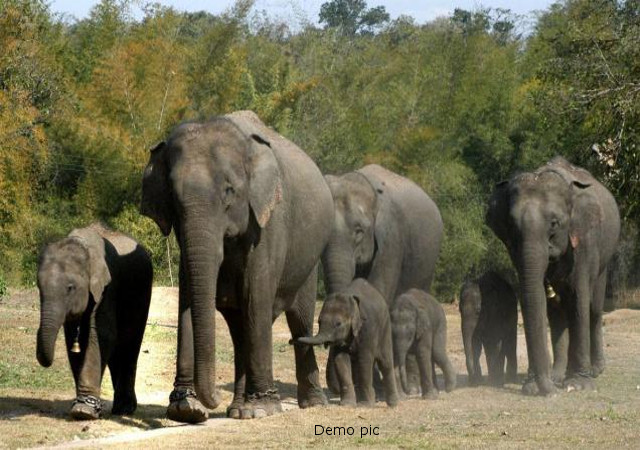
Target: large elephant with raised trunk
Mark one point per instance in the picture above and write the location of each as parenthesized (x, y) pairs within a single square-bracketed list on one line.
[(386, 230), (96, 283), (561, 227), (252, 214)]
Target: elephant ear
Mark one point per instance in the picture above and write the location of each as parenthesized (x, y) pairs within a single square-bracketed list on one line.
[(99, 275), (265, 181), (356, 319), (156, 191), (422, 322), (387, 262), (586, 214), (497, 217)]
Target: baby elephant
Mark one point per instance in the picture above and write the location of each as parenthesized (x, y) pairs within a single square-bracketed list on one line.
[(419, 326), (97, 284), (355, 322), (489, 312)]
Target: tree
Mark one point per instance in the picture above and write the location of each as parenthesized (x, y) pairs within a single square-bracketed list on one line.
[(353, 17)]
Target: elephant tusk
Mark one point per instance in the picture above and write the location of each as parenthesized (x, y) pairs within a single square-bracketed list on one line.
[(551, 294)]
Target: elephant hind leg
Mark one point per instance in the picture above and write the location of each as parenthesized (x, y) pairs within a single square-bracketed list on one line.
[(300, 321), (510, 345)]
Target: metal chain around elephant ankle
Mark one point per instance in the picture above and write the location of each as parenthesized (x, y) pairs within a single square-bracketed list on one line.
[(271, 394), (180, 394), (90, 400)]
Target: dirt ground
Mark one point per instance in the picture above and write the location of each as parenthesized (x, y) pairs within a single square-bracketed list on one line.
[(34, 401)]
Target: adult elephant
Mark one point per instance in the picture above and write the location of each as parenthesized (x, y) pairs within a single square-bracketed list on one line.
[(561, 228), (252, 214), (386, 230)]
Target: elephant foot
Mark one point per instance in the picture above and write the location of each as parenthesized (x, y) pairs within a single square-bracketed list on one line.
[(413, 391), (532, 387), (124, 405), (261, 404), (124, 408), (431, 395), (348, 401), (184, 407), (86, 407), (450, 382), (233, 410), (312, 397), (475, 380), (579, 383), (557, 379), (597, 368)]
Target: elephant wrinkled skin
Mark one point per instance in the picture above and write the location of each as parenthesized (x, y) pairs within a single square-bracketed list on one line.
[(561, 228), (97, 284), (252, 214)]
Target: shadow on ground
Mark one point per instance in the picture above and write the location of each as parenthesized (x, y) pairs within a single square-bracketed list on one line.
[(146, 416)]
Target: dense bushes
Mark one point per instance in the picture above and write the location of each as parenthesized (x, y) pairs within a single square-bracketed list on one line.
[(456, 104)]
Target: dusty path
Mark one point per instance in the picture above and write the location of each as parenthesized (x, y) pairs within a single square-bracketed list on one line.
[(34, 401)]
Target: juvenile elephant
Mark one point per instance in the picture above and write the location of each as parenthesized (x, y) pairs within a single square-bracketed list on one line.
[(355, 323), (561, 228), (489, 313), (252, 214), (419, 326), (97, 284), (386, 230)]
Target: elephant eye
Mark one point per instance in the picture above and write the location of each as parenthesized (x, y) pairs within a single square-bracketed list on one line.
[(555, 223), (359, 233), (70, 288), (229, 191), (338, 323)]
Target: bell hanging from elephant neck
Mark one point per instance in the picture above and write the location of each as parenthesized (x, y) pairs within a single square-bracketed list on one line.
[(75, 348), (551, 294)]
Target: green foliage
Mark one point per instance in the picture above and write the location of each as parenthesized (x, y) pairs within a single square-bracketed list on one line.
[(456, 104), (352, 16), (4, 288)]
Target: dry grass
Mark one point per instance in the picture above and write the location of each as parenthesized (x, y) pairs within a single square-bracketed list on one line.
[(34, 401)]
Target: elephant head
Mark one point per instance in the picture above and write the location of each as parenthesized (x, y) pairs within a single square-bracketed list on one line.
[(408, 325), (339, 321), (211, 182), (470, 308), (69, 272), (353, 243), (541, 217)]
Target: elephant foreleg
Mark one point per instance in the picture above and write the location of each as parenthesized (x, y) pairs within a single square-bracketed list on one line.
[(88, 404), (385, 363), (510, 345), (442, 360), (345, 378)]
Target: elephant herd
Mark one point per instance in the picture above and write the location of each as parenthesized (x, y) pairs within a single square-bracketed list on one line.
[(254, 218)]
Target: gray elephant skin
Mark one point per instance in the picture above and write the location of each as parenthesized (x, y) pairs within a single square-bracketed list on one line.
[(252, 214), (355, 323), (419, 325), (96, 283), (387, 230), (489, 319), (561, 227)]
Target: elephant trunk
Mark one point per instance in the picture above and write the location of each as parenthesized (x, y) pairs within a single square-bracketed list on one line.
[(318, 339), (50, 322), (339, 266), (203, 252), (531, 271), (467, 341)]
